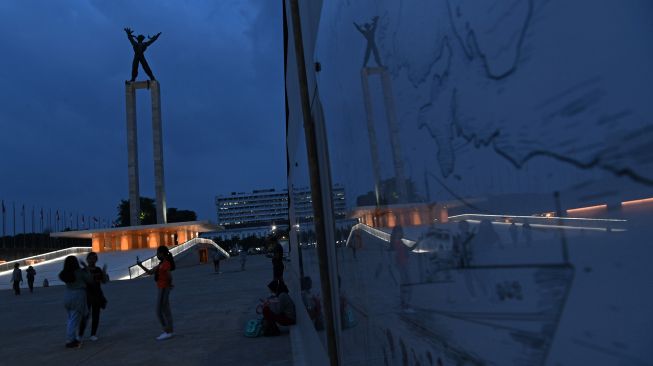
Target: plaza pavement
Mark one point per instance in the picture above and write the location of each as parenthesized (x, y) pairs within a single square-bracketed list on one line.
[(209, 314)]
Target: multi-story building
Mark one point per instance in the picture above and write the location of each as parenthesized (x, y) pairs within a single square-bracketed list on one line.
[(257, 208), (253, 213)]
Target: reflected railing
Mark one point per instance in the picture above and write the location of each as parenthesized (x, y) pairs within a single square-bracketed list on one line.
[(136, 271), (548, 221), (36, 259), (380, 234)]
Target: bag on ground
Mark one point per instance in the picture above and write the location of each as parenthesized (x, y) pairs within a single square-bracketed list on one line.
[(253, 328)]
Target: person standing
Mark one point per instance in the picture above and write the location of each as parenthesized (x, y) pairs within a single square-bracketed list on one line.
[(243, 258), (16, 278), (163, 278), (401, 254), (95, 299), (30, 273), (216, 261), (76, 280), (277, 260)]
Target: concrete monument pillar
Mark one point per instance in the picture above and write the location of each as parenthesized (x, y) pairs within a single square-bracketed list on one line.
[(157, 136), (132, 151), (393, 130), (132, 155)]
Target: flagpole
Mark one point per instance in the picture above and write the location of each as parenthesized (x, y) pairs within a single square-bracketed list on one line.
[(4, 233), (24, 243), (14, 236)]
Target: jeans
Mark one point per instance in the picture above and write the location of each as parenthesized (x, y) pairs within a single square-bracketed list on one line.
[(163, 309), (75, 304)]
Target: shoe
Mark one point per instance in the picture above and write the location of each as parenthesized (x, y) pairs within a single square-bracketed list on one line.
[(73, 344), (164, 336), (93, 338)]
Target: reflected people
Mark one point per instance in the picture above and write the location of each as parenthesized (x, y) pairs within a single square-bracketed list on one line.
[(401, 260)]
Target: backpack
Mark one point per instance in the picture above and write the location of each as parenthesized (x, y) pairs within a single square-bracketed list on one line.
[(253, 328), (348, 319)]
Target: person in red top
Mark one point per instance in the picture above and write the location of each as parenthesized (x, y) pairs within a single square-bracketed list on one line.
[(163, 279)]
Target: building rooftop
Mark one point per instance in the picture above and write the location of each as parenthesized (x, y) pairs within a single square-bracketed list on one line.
[(192, 226)]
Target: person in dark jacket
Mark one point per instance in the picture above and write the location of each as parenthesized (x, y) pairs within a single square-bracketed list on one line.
[(95, 299), (30, 273), (16, 278)]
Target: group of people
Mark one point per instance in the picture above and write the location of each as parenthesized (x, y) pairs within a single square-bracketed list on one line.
[(17, 278), (83, 295)]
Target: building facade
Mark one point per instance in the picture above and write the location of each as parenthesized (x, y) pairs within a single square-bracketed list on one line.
[(267, 207), (260, 212)]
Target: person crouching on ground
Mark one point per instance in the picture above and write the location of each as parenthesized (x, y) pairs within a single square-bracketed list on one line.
[(283, 314), (163, 279), (94, 296), (76, 280)]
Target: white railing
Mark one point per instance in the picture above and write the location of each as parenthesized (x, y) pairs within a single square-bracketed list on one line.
[(37, 259), (380, 234), (136, 271)]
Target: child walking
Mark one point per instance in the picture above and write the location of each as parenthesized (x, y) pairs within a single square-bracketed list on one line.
[(163, 279)]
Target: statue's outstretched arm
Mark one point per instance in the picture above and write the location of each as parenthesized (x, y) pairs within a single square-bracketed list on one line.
[(152, 39), (359, 28), (130, 35), (375, 20)]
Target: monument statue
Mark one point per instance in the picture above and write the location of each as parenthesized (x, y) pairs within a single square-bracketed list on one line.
[(139, 52), (368, 30)]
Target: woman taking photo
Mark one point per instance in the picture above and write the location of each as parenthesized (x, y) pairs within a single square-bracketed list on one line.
[(163, 279)]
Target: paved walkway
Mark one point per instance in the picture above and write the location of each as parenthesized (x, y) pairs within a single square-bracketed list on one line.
[(209, 311)]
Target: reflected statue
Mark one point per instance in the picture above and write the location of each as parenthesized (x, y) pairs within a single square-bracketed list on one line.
[(368, 30), (139, 52)]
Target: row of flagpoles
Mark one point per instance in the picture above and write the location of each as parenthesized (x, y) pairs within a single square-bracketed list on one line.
[(49, 221)]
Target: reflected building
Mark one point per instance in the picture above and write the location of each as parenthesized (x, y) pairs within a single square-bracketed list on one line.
[(259, 212)]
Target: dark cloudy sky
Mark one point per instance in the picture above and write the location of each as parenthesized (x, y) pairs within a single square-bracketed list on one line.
[(62, 109)]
